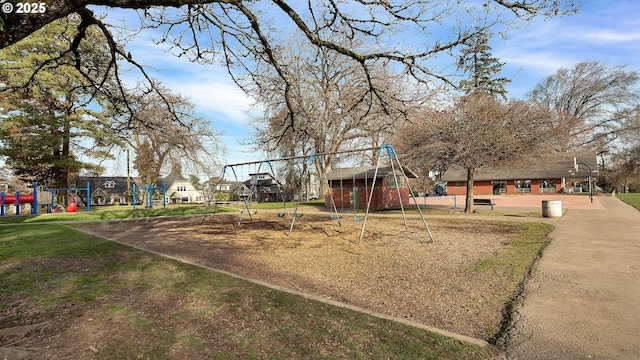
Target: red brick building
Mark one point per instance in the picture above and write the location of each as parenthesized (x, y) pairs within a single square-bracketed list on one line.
[(552, 175), (351, 187)]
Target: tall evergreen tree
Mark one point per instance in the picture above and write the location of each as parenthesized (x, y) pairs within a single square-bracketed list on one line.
[(482, 68), (51, 119)]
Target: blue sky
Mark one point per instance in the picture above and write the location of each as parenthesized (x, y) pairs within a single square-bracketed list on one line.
[(607, 31)]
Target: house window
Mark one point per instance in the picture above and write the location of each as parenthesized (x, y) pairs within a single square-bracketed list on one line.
[(548, 186), (499, 187), (337, 185), (523, 186), (266, 189), (395, 182), (109, 184), (182, 188)]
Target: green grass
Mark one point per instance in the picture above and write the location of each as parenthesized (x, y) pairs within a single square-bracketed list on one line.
[(107, 213), (127, 212), (146, 306), (632, 199), (513, 265)]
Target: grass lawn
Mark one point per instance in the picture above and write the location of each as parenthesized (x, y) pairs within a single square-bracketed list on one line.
[(93, 298), (632, 199), (127, 212), (106, 213)]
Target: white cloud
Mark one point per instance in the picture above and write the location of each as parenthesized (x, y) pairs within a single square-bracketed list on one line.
[(614, 35), (209, 87), (600, 31), (211, 92)]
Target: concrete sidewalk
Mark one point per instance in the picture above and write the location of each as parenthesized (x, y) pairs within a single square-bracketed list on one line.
[(583, 298), (513, 203)]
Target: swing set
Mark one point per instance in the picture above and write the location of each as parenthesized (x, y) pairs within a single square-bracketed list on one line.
[(253, 191), (385, 151)]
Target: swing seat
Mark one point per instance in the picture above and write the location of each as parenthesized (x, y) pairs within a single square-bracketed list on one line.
[(356, 218), (298, 216), (334, 217), (280, 215)]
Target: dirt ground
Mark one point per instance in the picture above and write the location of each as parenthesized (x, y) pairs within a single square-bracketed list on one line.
[(393, 270)]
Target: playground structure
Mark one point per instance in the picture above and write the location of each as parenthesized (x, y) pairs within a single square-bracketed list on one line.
[(385, 151), (41, 197), (246, 198), (18, 200), (148, 196)]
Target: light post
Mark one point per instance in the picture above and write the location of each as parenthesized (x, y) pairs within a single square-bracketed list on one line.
[(588, 169)]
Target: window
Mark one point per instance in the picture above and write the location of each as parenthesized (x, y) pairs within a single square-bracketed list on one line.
[(109, 184), (337, 185), (182, 188), (499, 187), (395, 182), (523, 186), (547, 186)]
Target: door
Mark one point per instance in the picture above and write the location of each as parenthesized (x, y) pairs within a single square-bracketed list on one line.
[(354, 197)]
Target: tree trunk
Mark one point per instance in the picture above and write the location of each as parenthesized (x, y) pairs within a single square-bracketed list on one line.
[(468, 208)]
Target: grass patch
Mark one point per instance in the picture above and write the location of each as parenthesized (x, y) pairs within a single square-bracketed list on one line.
[(513, 266), (522, 250), (108, 213), (632, 199), (127, 212), (130, 304)]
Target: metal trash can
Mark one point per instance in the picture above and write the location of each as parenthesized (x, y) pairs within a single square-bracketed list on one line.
[(551, 208)]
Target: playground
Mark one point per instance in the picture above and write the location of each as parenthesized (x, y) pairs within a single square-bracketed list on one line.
[(392, 271)]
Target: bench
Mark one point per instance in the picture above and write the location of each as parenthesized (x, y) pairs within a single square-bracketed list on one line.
[(489, 202)]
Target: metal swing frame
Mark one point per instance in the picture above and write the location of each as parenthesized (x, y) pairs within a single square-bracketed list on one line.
[(387, 150), (245, 204), (391, 154)]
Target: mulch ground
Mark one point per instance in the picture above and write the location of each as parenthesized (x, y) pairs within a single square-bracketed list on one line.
[(393, 270)]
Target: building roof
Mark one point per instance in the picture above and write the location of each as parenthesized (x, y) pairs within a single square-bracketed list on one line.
[(118, 183), (366, 172), (170, 180), (558, 166)]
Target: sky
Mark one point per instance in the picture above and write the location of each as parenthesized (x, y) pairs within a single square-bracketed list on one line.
[(606, 31)]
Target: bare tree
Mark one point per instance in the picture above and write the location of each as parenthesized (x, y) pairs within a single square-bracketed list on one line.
[(478, 131), (329, 101), (163, 145), (590, 103), (623, 170), (243, 35)]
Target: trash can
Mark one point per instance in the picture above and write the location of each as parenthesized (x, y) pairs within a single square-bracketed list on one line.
[(551, 208)]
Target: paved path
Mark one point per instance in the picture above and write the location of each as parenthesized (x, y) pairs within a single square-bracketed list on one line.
[(583, 299)]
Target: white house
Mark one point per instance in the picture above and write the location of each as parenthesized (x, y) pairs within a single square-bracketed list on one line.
[(180, 190)]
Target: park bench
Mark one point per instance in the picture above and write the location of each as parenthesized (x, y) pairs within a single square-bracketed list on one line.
[(489, 202)]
